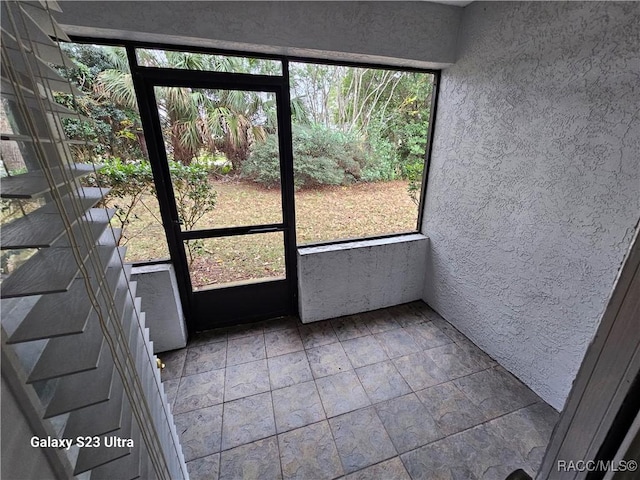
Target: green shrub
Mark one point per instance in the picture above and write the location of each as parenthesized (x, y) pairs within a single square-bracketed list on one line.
[(382, 164), (321, 156), (413, 173), (193, 193), (129, 181), (263, 165)]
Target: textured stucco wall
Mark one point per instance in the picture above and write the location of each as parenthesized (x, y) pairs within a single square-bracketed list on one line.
[(402, 33), (336, 280), (534, 188)]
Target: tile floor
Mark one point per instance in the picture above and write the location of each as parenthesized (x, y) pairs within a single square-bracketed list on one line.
[(392, 394)]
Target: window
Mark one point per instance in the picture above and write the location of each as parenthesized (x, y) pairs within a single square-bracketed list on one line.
[(359, 137), (359, 144), (112, 135)]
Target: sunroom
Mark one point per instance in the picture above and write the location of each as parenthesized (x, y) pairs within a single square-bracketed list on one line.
[(466, 331)]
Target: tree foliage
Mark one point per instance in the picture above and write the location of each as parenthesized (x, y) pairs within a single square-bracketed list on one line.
[(322, 156), (229, 121), (112, 129), (387, 111), (350, 124), (130, 181)]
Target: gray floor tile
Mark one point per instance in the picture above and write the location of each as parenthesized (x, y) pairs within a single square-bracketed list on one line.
[(485, 453), (427, 312), (361, 439), (407, 315), (246, 379), (210, 336), (349, 327), (448, 329), (254, 461), (408, 422), (244, 428), (382, 381), (309, 453), (199, 431), (527, 431), (392, 469), (199, 391), (379, 321), (289, 369), (453, 361), (450, 408), (211, 356), (283, 341), (364, 351), (341, 393), (419, 371), (496, 392), (205, 468), (171, 390), (317, 334), (247, 419), (245, 349), (328, 360), (427, 335), (173, 363), (437, 461), (245, 330), (297, 406), (477, 355), (281, 323), (397, 343)]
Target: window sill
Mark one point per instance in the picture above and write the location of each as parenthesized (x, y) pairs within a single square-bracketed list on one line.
[(364, 243)]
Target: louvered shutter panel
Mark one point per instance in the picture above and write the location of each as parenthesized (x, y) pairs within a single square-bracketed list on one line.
[(75, 347)]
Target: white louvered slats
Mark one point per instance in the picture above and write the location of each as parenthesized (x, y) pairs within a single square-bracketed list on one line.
[(41, 45), (55, 362), (125, 468), (98, 419), (105, 451), (83, 389), (42, 18), (73, 330), (42, 229), (51, 270), (34, 184), (66, 313), (47, 75)]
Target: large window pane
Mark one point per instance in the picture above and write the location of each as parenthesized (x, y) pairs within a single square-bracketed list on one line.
[(209, 135), (359, 144)]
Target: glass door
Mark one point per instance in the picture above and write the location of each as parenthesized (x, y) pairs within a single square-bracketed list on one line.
[(232, 241)]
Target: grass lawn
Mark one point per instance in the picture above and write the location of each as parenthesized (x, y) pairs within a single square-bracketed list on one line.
[(328, 213)]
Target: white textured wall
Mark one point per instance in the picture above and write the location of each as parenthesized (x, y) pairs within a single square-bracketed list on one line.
[(404, 33), (534, 188), (336, 280)]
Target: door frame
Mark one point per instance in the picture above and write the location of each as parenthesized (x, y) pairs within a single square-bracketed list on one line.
[(197, 308)]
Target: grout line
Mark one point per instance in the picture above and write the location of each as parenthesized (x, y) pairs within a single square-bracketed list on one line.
[(224, 405), (275, 430), (361, 324)]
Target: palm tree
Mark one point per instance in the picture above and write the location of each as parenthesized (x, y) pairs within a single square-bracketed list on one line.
[(228, 121)]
